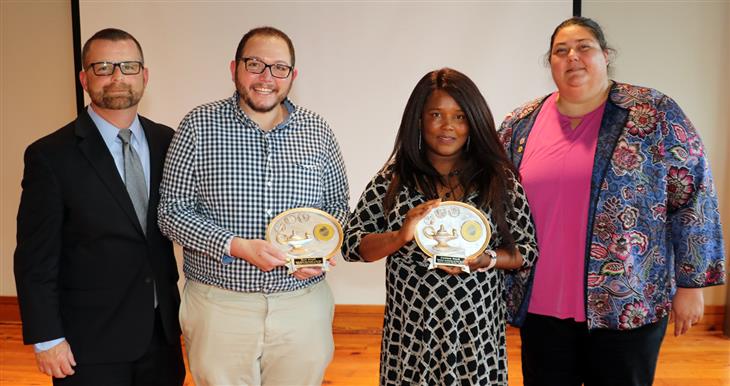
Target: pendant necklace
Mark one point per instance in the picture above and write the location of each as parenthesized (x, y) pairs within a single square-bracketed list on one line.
[(451, 193)]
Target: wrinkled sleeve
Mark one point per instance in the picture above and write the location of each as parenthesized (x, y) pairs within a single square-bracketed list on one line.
[(180, 215), (38, 252), (368, 217), (692, 206), (336, 189)]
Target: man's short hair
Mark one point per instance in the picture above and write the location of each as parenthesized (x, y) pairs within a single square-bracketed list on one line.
[(265, 31), (112, 34)]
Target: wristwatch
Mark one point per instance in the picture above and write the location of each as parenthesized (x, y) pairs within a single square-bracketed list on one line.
[(492, 261)]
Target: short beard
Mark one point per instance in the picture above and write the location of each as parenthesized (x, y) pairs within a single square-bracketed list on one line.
[(257, 108), (243, 94), (118, 102)]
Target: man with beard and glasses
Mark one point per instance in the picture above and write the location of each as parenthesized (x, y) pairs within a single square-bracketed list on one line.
[(96, 280), (233, 166)]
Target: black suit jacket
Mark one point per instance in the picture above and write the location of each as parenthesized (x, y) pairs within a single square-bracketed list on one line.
[(83, 267)]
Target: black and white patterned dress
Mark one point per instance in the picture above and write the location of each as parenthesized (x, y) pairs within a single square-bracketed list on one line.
[(439, 329)]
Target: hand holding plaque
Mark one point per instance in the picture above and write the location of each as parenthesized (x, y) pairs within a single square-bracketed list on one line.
[(308, 236), (452, 233)]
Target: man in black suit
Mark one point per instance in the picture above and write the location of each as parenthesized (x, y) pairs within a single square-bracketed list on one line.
[(96, 281)]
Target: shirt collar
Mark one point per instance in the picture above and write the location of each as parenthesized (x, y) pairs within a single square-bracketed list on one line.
[(291, 108), (109, 132)]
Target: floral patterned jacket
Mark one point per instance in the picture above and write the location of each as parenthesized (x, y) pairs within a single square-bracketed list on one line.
[(653, 221)]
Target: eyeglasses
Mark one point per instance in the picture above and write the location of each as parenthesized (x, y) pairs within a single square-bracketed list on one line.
[(255, 66), (107, 68)]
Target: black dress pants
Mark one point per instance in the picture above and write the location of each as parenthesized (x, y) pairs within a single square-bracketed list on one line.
[(161, 365), (562, 352)]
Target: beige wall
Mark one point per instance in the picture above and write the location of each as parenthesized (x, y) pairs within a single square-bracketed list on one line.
[(36, 97)]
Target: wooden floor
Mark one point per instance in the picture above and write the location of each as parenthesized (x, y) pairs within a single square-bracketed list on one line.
[(701, 358)]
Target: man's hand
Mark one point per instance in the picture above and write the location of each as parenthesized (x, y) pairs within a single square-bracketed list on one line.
[(688, 306), (57, 361), (260, 253), (306, 273)]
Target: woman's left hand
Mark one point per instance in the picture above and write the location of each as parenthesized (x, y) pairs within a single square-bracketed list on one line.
[(688, 306), (474, 264), (450, 270), (481, 261)]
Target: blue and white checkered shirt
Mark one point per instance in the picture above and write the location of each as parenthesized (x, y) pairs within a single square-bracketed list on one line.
[(224, 176)]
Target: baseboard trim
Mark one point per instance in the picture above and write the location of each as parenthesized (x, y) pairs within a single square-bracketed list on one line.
[(368, 319), (358, 319), (365, 319), (9, 311), (714, 318)]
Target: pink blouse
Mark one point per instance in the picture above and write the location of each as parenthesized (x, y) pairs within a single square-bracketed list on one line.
[(556, 174)]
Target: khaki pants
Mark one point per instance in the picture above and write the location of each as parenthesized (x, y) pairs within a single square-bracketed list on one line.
[(235, 338)]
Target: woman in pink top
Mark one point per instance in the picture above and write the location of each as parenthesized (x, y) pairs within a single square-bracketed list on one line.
[(626, 214)]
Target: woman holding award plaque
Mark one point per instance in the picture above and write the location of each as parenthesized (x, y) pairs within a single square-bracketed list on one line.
[(445, 323)]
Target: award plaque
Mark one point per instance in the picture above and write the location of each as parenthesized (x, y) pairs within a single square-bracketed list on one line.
[(452, 233), (308, 236)]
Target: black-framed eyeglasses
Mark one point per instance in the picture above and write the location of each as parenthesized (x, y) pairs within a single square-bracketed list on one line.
[(107, 68), (256, 66)]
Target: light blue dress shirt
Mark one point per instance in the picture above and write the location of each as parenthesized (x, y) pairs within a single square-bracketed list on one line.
[(114, 144), (109, 133)]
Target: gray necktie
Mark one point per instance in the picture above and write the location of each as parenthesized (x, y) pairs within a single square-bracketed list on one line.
[(134, 178)]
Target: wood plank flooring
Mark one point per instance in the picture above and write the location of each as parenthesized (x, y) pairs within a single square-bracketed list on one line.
[(701, 358)]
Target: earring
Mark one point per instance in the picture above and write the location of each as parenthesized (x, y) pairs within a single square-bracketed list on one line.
[(468, 142), (419, 140)]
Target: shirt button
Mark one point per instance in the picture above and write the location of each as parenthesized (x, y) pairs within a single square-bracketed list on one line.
[(148, 280), (269, 183), (268, 212)]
